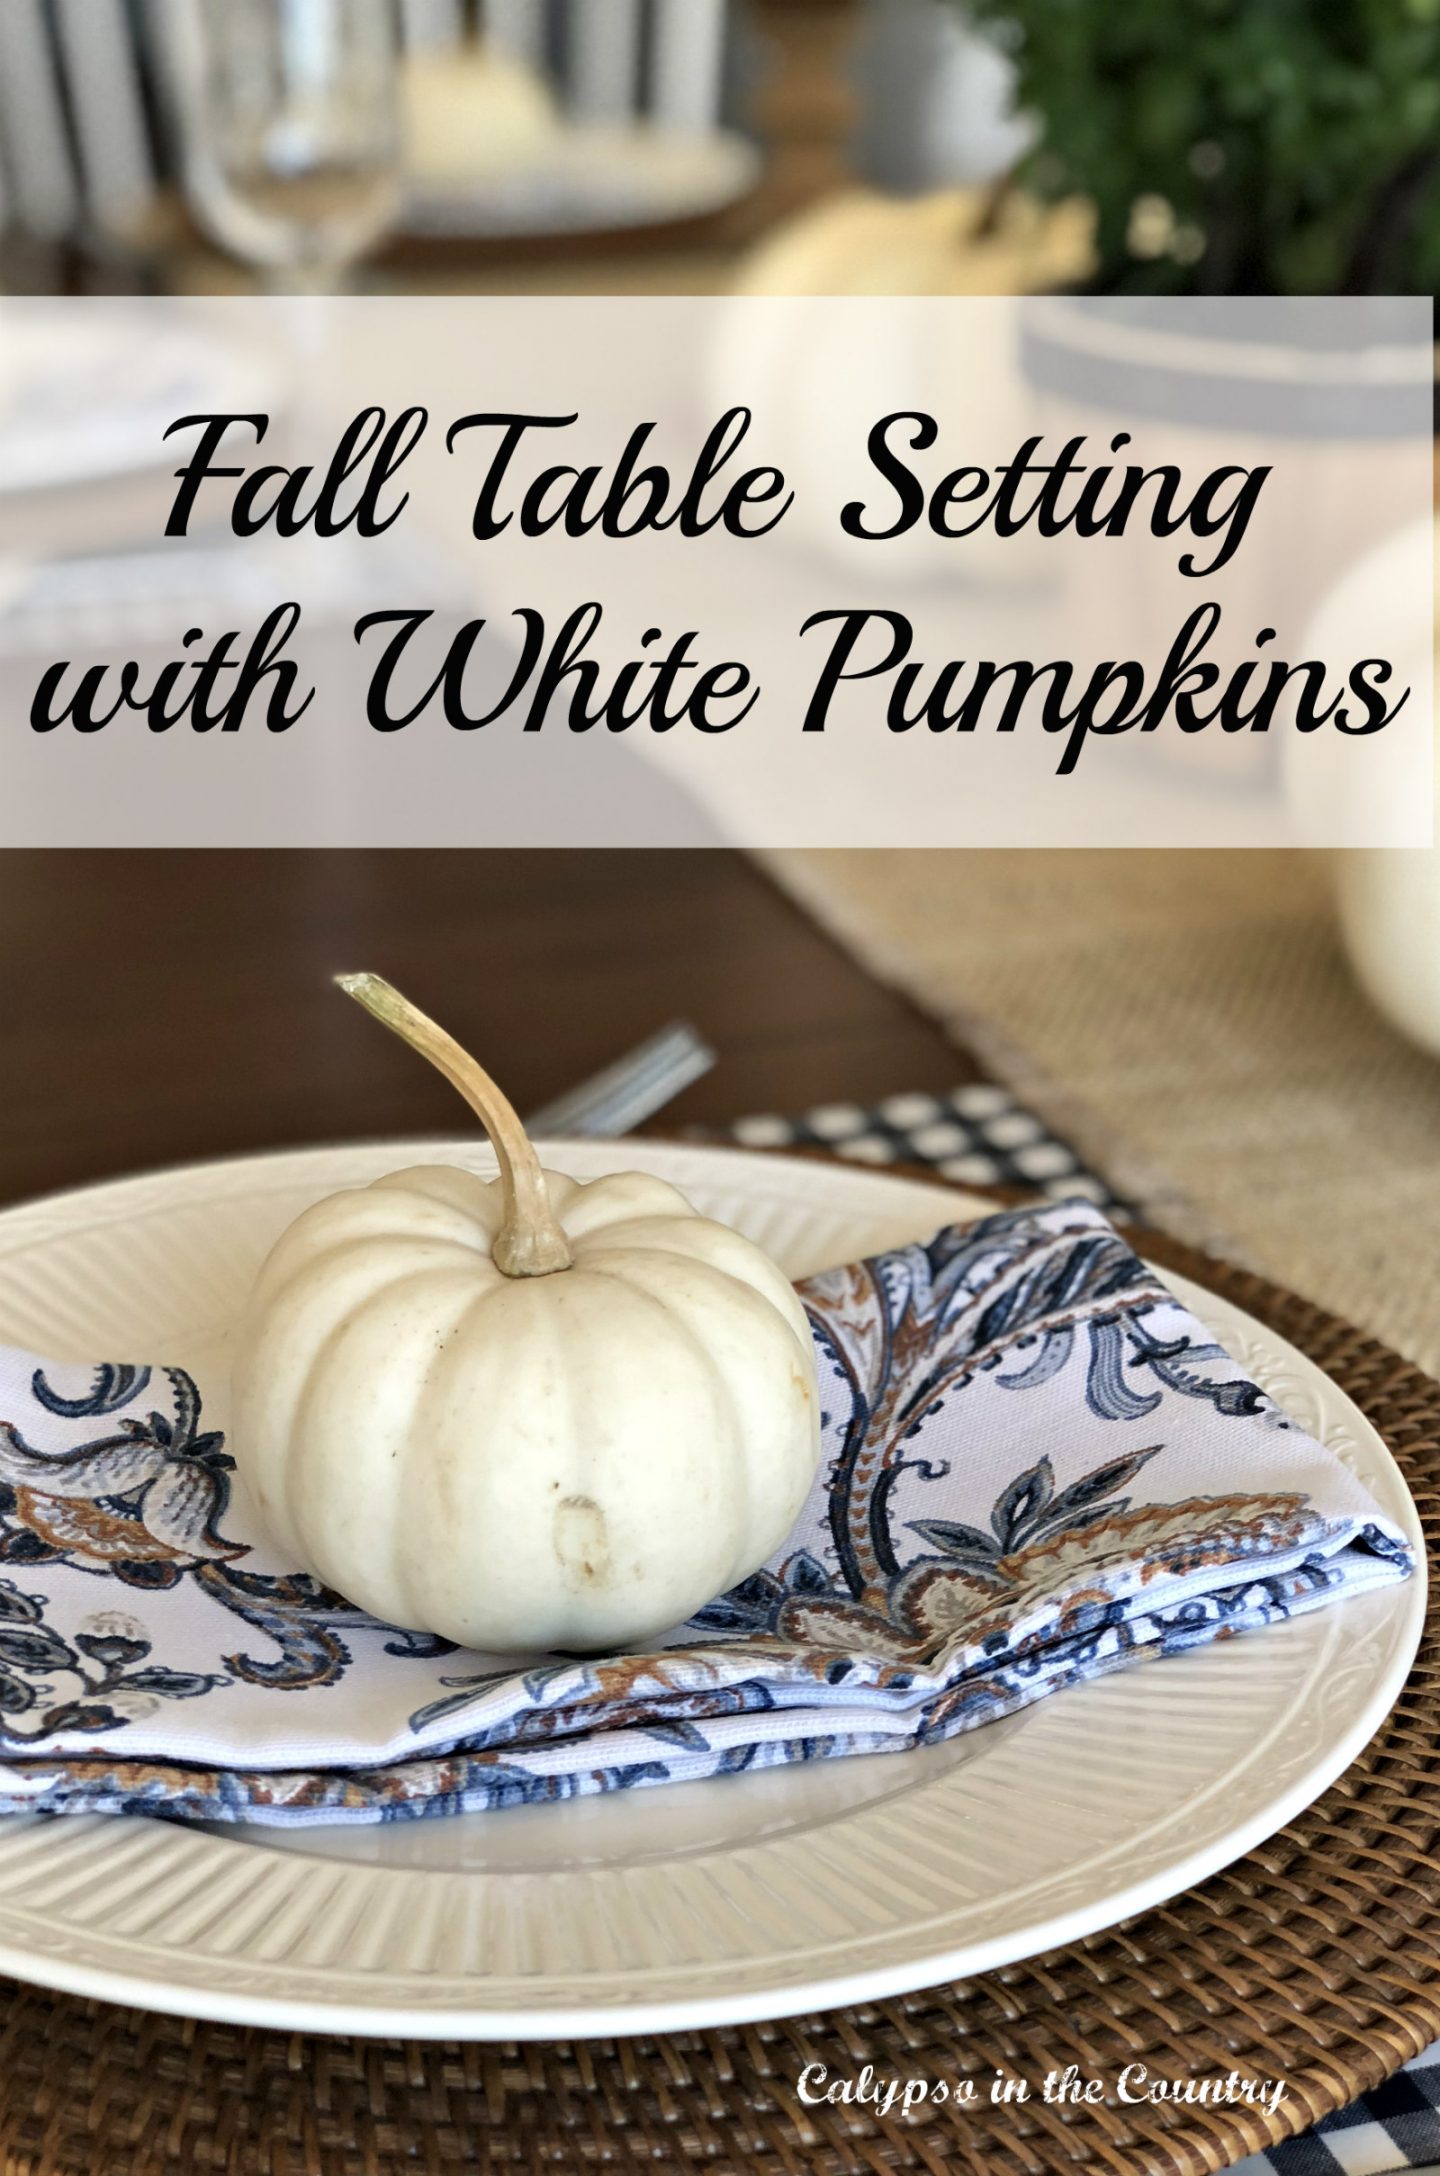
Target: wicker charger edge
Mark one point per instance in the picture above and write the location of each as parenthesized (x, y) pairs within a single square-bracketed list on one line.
[(1316, 1959)]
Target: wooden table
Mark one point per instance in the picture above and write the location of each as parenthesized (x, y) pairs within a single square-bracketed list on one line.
[(160, 1006)]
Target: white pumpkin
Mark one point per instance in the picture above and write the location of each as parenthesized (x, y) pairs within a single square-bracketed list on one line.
[(524, 1413), (993, 241), (471, 114), (819, 371)]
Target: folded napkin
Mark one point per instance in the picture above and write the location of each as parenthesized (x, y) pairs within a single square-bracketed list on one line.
[(1037, 1468)]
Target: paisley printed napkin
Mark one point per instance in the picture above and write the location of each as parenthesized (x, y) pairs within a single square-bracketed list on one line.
[(1037, 1467)]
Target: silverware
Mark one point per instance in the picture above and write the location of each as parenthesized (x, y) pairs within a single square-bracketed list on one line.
[(621, 1096)]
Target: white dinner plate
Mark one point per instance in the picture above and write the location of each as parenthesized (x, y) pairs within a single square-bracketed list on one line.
[(698, 1904), (87, 393), (590, 180)]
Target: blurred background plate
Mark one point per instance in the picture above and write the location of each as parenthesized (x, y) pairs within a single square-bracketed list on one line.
[(87, 398), (590, 180)]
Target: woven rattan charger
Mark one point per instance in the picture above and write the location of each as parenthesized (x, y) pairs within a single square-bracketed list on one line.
[(1316, 1959)]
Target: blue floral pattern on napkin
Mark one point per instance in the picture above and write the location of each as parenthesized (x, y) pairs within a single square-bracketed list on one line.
[(1038, 1467)]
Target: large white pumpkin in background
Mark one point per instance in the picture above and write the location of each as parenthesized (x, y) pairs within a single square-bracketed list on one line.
[(524, 1413), (819, 375), (991, 241), (1388, 897)]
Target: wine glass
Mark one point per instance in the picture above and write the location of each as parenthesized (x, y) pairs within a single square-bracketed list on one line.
[(291, 122)]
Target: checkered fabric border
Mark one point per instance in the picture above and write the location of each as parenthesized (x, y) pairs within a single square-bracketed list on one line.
[(978, 1135), (981, 1136), (1395, 2127)]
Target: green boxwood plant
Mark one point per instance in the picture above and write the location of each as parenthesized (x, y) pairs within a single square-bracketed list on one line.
[(1239, 146)]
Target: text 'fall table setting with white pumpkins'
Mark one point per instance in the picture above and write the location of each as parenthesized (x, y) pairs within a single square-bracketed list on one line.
[(585, 1521)]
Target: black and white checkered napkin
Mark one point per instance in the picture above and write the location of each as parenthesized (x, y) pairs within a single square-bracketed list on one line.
[(1395, 2127), (979, 1135)]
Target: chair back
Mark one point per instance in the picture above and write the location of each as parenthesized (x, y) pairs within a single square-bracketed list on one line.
[(86, 140)]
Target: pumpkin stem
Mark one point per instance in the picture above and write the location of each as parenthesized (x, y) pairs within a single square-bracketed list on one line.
[(530, 1242)]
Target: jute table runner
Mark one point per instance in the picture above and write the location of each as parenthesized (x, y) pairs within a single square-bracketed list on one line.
[(1188, 1020)]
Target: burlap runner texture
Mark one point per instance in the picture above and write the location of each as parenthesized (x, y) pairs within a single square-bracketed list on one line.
[(1189, 1021)]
